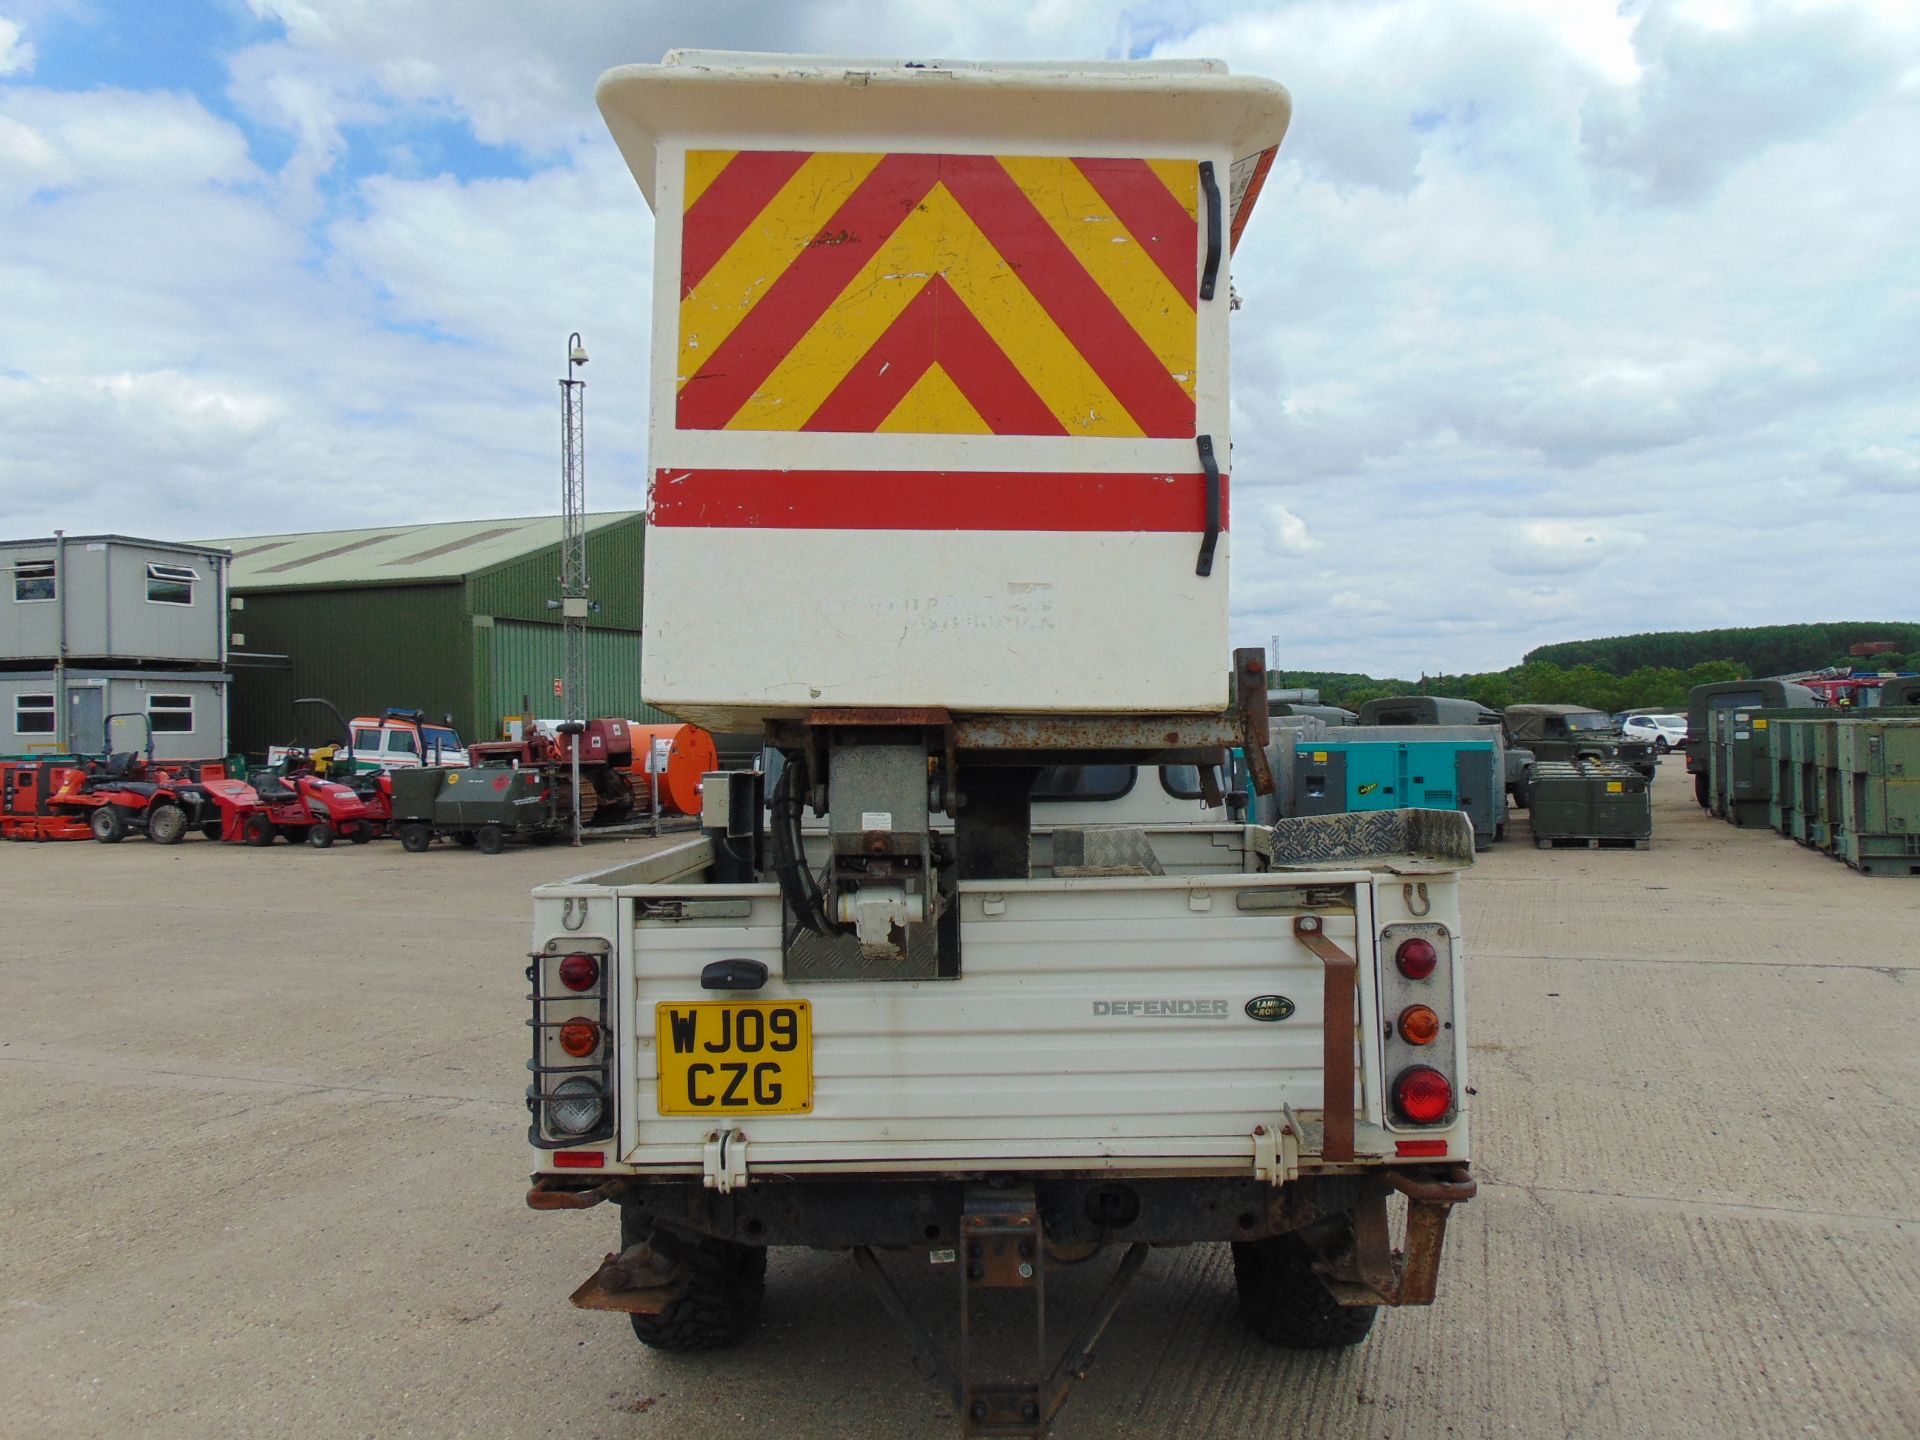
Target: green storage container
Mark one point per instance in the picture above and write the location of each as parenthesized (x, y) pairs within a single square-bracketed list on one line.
[(1878, 765), (1829, 794), (1806, 792), (1743, 774), (1590, 803), (1780, 803)]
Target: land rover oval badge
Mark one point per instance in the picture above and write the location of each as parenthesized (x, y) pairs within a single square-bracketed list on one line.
[(1269, 1007)]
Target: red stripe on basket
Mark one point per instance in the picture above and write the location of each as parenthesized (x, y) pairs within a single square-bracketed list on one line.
[(932, 500)]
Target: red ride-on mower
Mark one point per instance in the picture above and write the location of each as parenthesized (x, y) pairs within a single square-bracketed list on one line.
[(336, 809), (125, 792), (346, 803)]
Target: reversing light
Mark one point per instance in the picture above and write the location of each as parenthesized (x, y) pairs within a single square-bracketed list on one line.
[(579, 972), (1422, 1094), (1416, 958), (574, 1107), (1418, 1025), (579, 1037)]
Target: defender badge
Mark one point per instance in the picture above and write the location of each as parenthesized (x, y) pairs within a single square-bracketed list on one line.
[(1269, 1007)]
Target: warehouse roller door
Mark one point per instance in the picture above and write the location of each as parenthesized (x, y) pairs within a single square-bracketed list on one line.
[(526, 659)]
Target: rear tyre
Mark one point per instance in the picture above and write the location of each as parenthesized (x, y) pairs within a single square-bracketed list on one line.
[(726, 1283), (1286, 1304), (109, 825), (321, 835), (1662, 745), (211, 830), (464, 839), (1700, 790), (415, 838), (360, 832), (166, 824), (490, 839), (257, 829)]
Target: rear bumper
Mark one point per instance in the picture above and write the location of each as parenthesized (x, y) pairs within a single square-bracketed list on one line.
[(1343, 1216)]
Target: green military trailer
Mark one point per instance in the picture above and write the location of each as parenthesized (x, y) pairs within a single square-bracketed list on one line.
[(1590, 804), (481, 806), (1878, 788), (1704, 700)]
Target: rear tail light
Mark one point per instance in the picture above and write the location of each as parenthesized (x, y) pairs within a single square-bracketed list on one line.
[(1422, 1095), (1418, 1025), (579, 1037), (1416, 958), (572, 1096)]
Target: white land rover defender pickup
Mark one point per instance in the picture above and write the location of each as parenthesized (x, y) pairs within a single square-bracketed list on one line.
[(940, 504)]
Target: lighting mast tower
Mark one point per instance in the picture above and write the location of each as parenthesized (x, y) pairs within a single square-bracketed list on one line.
[(574, 581)]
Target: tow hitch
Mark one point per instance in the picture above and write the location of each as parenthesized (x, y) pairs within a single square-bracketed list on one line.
[(1003, 1249)]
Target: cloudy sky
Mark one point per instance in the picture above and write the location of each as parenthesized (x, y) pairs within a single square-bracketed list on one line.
[(1562, 317)]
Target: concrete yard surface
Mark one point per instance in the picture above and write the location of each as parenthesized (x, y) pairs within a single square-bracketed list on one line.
[(264, 1162)]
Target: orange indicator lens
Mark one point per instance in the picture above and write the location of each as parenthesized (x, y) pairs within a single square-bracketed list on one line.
[(1419, 1025)]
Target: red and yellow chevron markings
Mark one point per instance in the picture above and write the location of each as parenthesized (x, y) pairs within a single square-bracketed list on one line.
[(938, 294)]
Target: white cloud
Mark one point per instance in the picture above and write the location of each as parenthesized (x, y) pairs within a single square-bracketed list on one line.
[(1287, 531), (150, 143), (16, 51)]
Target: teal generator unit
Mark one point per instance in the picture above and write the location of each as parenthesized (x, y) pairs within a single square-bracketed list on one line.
[(1335, 775)]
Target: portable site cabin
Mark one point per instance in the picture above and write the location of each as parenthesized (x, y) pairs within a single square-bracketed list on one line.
[(939, 394), (105, 639)]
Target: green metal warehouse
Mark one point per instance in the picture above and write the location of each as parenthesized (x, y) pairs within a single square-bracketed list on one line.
[(453, 619)]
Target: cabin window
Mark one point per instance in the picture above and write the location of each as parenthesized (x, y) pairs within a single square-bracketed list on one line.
[(171, 584), (1083, 782), (34, 580), (170, 714), (33, 714)]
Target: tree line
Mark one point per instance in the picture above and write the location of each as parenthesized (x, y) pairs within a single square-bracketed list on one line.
[(1651, 687), (1763, 650), (1631, 672)]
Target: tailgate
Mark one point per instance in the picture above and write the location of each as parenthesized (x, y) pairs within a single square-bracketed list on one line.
[(1140, 1022)]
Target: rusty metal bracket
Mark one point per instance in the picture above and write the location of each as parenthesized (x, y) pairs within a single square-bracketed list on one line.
[(1250, 706), (639, 1281), (1373, 1272), (1340, 1026)]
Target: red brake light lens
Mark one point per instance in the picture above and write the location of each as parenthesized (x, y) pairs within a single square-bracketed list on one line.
[(1422, 1094), (579, 972), (579, 1037), (1416, 958)]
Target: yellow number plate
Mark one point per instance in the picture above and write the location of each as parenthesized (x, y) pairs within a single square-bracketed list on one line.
[(734, 1057)]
